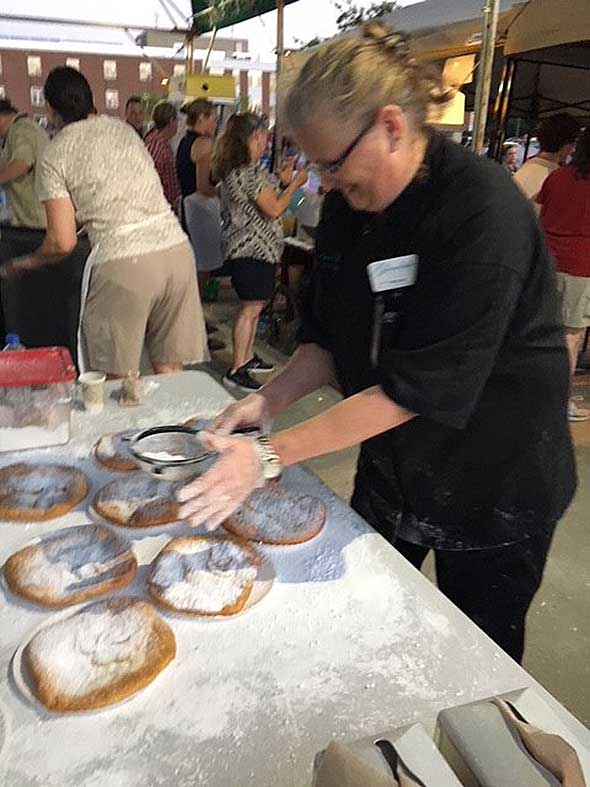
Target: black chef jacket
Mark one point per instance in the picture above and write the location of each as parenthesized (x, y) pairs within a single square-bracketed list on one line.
[(478, 353)]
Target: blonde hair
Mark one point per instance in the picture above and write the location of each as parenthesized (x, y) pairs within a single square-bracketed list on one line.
[(351, 79)]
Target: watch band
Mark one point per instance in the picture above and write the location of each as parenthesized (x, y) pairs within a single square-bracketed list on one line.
[(269, 459)]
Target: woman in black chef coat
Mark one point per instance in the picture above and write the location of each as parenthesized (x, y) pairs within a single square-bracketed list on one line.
[(434, 306)]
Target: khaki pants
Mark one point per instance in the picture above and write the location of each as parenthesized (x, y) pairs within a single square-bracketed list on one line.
[(575, 300), (150, 300)]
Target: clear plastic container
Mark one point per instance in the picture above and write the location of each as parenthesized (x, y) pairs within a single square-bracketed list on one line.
[(36, 393)]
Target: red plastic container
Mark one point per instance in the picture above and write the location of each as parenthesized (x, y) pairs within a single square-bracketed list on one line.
[(36, 391)]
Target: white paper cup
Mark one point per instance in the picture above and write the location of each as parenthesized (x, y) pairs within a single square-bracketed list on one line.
[(92, 385)]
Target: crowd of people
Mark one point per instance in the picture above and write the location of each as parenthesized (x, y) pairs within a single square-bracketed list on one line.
[(457, 386), (136, 296)]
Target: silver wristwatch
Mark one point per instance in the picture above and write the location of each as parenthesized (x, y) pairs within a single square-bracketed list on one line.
[(270, 462)]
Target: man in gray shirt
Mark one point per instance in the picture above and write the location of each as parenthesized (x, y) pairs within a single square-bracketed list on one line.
[(42, 307)]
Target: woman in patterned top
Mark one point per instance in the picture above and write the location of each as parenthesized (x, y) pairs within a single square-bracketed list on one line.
[(252, 203)]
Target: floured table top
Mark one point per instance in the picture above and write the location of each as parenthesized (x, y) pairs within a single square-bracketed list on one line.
[(350, 641)]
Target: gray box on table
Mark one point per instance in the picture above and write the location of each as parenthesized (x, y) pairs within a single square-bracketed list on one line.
[(415, 748), (484, 752)]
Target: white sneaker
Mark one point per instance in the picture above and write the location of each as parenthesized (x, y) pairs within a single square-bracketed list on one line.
[(575, 413)]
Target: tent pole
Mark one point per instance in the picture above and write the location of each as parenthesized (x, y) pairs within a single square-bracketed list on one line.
[(491, 11), (210, 49), (190, 48), (280, 55), (503, 108)]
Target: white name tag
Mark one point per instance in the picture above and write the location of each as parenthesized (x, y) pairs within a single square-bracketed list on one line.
[(393, 274)]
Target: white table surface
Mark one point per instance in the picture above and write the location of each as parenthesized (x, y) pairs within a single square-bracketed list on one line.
[(350, 641)]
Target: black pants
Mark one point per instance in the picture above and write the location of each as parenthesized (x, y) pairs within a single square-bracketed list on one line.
[(494, 587), (43, 306)]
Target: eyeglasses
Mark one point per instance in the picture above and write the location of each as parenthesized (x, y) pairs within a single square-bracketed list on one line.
[(331, 167)]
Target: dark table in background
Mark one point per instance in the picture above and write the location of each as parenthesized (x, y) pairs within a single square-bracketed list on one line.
[(42, 307)]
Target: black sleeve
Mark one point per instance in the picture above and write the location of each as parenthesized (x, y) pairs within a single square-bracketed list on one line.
[(457, 317), (313, 328)]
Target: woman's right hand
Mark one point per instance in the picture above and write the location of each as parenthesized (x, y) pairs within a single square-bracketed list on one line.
[(251, 411)]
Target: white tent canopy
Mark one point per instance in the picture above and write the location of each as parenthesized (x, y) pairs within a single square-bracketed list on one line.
[(147, 13)]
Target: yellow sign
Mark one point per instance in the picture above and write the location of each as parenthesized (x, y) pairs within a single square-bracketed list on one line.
[(458, 71), (212, 87), (450, 115)]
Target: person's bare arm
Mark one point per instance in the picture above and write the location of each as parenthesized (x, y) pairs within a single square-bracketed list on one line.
[(60, 239), (307, 370), (273, 206), (13, 171), (366, 415), (201, 158), (217, 494)]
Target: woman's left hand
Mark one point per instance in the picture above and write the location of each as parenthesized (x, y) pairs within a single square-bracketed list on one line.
[(211, 499), (286, 171)]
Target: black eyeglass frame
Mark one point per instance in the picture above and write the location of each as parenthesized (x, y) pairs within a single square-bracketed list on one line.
[(331, 167)]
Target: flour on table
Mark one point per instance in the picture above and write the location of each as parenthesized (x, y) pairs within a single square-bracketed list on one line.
[(341, 647)]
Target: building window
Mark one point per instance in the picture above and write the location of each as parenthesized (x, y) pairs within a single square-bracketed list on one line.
[(37, 97), (41, 120), (111, 99), (179, 70), (109, 69), (73, 62), (2, 91), (145, 72), (34, 66)]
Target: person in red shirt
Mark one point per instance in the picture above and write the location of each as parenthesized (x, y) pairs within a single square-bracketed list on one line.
[(157, 141), (565, 216)]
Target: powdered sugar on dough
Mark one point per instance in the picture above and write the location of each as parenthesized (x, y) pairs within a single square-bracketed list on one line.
[(128, 495), (70, 560), (40, 488), (203, 575), (275, 516), (115, 447), (92, 648), (163, 456)]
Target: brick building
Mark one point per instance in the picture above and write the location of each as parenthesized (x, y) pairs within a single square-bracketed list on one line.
[(114, 76)]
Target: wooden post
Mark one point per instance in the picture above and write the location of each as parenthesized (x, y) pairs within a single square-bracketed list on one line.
[(491, 11), (210, 49), (280, 55), (190, 48)]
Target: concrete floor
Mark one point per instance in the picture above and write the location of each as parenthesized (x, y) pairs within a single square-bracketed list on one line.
[(558, 640)]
